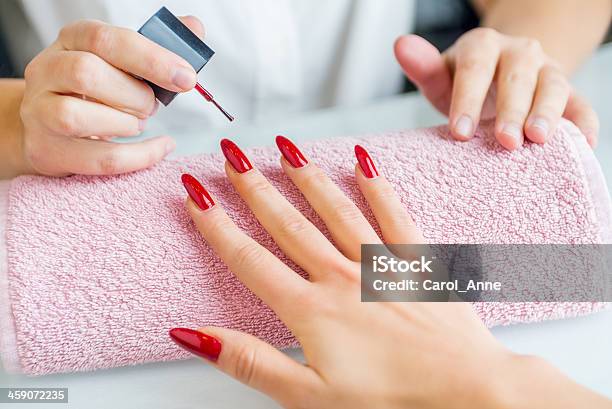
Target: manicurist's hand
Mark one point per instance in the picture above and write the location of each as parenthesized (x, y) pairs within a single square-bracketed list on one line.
[(532, 90), (82, 91), (358, 355)]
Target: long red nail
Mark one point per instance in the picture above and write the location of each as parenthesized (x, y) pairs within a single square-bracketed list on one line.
[(290, 152), (365, 162), (196, 192), (197, 343), (235, 157)]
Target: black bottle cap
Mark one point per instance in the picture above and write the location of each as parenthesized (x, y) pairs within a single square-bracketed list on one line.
[(165, 29)]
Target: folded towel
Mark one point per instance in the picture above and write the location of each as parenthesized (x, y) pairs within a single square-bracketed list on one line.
[(97, 269)]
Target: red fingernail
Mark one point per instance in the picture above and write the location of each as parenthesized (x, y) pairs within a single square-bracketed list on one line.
[(196, 192), (235, 157), (365, 162), (290, 152), (197, 343)]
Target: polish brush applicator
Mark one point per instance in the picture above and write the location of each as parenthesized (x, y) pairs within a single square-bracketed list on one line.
[(165, 29)]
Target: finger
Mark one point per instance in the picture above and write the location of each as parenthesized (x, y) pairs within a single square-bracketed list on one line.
[(131, 52), (90, 157), (299, 239), (347, 225), (264, 274), (426, 68), (251, 361), (87, 74), (580, 112), (194, 24), (475, 62), (516, 84), (549, 102), (395, 223), (72, 116)]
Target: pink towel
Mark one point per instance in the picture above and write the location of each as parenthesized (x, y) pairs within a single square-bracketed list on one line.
[(97, 270)]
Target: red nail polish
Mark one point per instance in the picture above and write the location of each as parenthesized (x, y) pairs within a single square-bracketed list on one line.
[(196, 192), (365, 162), (197, 343), (235, 157), (290, 152)]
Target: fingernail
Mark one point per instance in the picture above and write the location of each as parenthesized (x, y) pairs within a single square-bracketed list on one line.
[(515, 132), (365, 162), (464, 126), (170, 146), (197, 343), (541, 126), (184, 78), (196, 192), (235, 157), (142, 123), (290, 152)]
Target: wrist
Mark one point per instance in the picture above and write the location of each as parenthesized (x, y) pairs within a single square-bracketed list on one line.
[(529, 381), (12, 150)]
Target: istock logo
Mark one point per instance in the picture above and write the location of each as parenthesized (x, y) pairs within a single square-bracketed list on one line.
[(384, 264)]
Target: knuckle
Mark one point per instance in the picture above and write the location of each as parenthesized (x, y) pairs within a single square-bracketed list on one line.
[(400, 221), (31, 70), (67, 31), (109, 163), (66, 117), (64, 32), (518, 79), (346, 212), (386, 191), (348, 272), (82, 73), (554, 78), (217, 221), (472, 64), (307, 302), (305, 299), (154, 67), (245, 361), (485, 34), (293, 226), (99, 38), (532, 45), (315, 179), (259, 186), (247, 254)]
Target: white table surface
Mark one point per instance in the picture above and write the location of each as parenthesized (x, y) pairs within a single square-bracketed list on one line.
[(581, 347)]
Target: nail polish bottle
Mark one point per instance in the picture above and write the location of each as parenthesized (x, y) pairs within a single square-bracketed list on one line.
[(165, 29)]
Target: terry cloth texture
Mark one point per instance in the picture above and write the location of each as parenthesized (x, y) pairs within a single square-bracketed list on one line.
[(96, 270)]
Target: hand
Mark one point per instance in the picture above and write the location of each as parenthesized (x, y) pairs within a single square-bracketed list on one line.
[(358, 355), (81, 92), (532, 91)]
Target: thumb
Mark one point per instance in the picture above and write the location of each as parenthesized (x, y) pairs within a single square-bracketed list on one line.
[(426, 68), (250, 361)]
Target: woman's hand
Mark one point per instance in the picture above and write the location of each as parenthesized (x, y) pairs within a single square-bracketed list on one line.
[(532, 91), (82, 91), (358, 355)]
